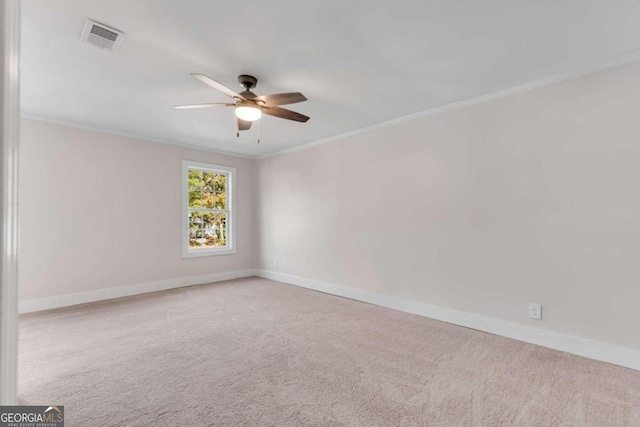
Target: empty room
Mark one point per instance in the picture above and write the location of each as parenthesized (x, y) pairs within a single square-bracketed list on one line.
[(280, 213)]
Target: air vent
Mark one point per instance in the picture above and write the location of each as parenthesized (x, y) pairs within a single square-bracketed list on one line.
[(101, 36)]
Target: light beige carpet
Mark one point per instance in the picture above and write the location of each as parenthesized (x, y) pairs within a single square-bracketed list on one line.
[(260, 353)]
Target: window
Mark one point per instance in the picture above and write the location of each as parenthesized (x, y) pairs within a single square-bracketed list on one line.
[(208, 214)]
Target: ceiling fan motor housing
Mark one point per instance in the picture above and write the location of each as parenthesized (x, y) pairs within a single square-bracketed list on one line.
[(250, 97), (247, 82)]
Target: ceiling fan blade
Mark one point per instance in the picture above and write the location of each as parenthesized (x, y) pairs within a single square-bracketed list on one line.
[(218, 86), (192, 106), (244, 124), (282, 98), (283, 113)]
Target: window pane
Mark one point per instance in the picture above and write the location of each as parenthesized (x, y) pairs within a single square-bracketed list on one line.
[(220, 183), (195, 180), (207, 230), (195, 199), (220, 201), (208, 179), (208, 200)]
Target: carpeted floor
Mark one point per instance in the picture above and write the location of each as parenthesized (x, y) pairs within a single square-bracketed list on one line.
[(261, 353)]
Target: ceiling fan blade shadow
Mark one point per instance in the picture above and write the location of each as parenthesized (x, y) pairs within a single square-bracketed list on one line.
[(283, 113), (282, 98), (218, 86)]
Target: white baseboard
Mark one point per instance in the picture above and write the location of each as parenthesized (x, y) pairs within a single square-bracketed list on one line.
[(39, 304), (568, 343)]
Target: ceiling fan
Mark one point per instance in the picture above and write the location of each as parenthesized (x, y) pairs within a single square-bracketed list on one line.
[(249, 106)]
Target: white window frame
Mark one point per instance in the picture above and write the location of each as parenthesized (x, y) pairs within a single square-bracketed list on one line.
[(231, 207)]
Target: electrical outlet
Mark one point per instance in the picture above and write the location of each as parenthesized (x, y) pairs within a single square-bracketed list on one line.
[(277, 262), (535, 311)]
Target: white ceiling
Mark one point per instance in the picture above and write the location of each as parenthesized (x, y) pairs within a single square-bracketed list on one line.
[(359, 62)]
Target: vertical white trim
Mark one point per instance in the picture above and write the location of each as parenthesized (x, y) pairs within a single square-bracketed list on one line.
[(9, 140), (184, 208)]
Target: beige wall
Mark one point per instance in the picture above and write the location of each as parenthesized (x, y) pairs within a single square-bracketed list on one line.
[(100, 211), (530, 198)]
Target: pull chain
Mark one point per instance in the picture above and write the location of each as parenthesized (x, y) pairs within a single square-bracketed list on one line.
[(258, 131)]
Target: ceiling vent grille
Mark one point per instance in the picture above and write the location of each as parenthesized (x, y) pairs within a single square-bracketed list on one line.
[(101, 36)]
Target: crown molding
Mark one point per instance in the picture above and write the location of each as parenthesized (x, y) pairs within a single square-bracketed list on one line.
[(503, 93), (108, 131)]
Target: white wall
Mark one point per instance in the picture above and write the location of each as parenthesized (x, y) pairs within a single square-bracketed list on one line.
[(530, 198), (101, 211)]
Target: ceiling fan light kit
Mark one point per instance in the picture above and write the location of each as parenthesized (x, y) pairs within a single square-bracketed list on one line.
[(248, 113), (249, 107)]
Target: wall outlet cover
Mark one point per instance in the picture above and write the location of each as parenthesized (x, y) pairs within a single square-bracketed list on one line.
[(535, 311)]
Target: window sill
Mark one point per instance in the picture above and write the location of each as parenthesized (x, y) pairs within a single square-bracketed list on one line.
[(207, 252)]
